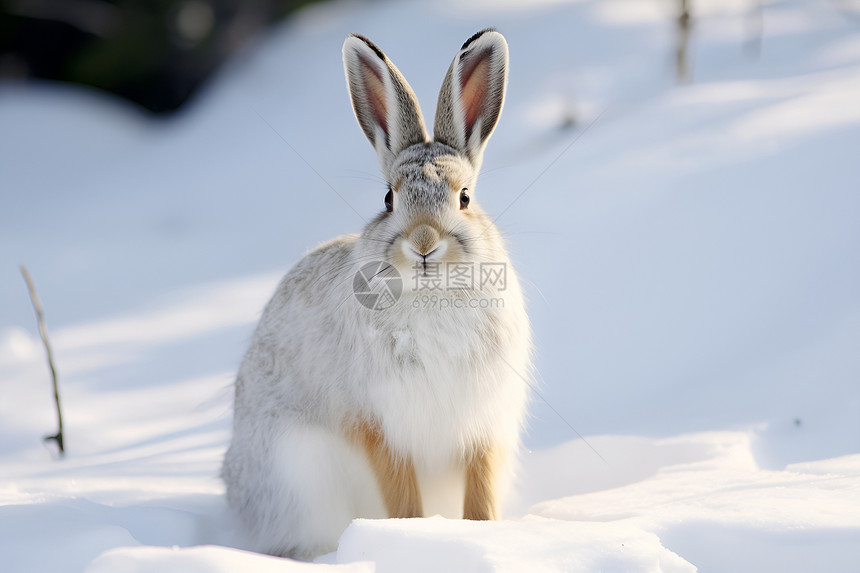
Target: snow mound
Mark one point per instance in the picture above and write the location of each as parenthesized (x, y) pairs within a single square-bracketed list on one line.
[(206, 559), (533, 544), (727, 488)]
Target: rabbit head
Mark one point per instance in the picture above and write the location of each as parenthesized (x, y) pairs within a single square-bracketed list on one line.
[(431, 215)]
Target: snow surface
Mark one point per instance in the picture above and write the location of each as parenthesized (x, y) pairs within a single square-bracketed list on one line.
[(689, 253)]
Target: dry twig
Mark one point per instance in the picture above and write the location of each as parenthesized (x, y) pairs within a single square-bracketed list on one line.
[(43, 331)]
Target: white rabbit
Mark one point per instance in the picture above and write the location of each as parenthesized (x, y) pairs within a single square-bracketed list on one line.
[(348, 405)]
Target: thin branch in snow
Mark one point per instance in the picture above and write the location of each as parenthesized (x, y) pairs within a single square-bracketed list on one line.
[(755, 30), (685, 22), (43, 331)]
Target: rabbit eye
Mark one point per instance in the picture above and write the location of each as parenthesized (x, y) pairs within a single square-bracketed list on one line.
[(389, 201), (464, 198)]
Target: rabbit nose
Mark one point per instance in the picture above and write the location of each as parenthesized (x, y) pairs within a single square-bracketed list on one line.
[(423, 239)]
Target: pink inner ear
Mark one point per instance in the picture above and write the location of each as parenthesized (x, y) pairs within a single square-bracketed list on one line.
[(474, 82), (374, 89)]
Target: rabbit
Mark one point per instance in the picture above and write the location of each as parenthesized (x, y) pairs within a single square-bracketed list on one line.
[(413, 405)]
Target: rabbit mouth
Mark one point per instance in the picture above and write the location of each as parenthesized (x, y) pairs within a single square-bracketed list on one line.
[(424, 255)]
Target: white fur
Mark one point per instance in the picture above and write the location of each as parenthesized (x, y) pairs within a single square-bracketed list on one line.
[(439, 382)]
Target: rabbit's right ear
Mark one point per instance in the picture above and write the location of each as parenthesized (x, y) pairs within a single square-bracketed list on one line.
[(384, 103), (472, 95)]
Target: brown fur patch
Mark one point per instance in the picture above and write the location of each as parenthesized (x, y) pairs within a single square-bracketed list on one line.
[(422, 219), (424, 238), (394, 474), (481, 497)]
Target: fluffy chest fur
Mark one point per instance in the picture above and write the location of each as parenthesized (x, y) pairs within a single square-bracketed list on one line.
[(442, 380), (437, 380)]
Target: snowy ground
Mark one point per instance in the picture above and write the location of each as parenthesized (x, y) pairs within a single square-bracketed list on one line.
[(690, 260)]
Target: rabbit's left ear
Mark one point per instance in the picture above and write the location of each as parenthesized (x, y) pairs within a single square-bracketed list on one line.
[(472, 95), (384, 103)]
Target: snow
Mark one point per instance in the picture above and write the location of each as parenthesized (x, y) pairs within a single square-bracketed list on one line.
[(208, 559), (532, 544), (689, 253)]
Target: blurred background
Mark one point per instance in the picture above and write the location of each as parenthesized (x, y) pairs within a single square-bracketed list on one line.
[(154, 53)]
